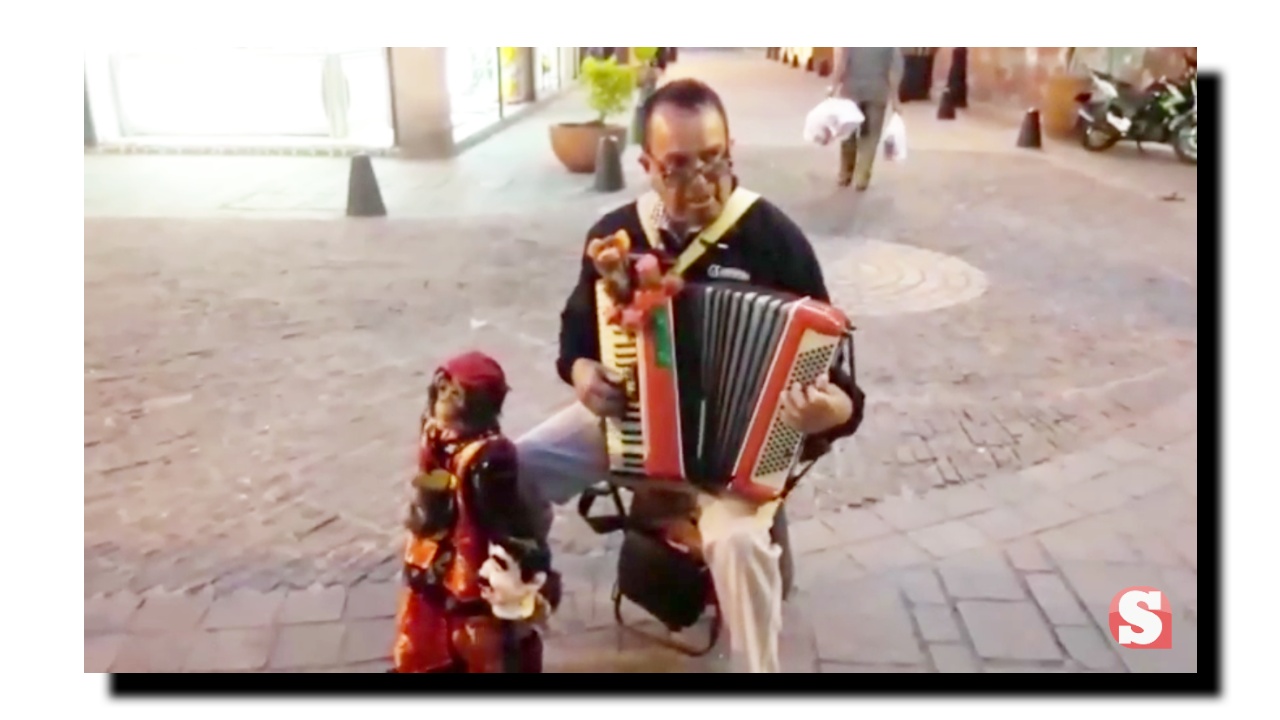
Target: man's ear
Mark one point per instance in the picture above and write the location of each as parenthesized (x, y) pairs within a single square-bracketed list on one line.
[(539, 580), (646, 162)]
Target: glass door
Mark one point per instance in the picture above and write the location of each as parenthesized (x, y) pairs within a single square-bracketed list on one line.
[(547, 67), (475, 86)]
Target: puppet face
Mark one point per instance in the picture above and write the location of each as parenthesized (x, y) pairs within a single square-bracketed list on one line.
[(503, 585), (450, 400)]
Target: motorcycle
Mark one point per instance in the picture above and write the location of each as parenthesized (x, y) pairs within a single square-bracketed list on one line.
[(1163, 113)]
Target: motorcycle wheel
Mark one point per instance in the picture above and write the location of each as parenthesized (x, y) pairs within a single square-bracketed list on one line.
[(1098, 139), (1184, 143)]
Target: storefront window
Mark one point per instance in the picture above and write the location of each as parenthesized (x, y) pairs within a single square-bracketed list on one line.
[(473, 89), (335, 94), (368, 102), (547, 67), (518, 78)]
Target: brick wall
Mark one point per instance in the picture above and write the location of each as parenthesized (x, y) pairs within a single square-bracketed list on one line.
[(1017, 76)]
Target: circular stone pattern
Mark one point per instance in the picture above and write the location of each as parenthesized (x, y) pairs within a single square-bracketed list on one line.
[(878, 278)]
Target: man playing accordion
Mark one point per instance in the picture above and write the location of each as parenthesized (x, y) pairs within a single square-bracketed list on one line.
[(686, 153)]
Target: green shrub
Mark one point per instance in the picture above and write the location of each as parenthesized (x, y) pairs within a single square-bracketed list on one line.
[(609, 86)]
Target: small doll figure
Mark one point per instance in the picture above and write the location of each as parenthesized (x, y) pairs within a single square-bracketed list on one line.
[(523, 592), (653, 289), (611, 258), (466, 508), (635, 285)]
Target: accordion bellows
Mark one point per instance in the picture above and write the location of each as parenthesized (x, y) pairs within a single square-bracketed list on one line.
[(705, 380)]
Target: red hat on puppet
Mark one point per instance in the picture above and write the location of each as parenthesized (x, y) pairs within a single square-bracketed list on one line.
[(477, 371)]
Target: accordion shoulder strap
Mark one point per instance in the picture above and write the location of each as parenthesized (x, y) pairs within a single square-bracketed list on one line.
[(649, 208)]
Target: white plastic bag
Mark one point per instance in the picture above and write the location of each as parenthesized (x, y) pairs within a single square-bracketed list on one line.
[(832, 119), (894, 140)]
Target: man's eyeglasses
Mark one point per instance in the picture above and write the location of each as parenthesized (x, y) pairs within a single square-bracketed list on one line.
[(686, 173)]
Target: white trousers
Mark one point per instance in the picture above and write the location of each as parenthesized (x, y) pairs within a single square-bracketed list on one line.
[(566, 454)]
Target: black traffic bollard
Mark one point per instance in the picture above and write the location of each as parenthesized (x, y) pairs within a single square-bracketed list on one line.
[(364, 199), (609, 165)]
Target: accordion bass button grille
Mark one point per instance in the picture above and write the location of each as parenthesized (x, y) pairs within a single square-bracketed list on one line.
[(783, 442)]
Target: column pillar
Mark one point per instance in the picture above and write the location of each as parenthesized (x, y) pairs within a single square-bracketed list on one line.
[(420, 96)]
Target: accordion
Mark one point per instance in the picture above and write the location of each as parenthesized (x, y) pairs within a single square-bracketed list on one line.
[(705, 378)]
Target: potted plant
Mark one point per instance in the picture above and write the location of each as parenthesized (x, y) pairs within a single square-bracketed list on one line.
[(609, 90), (644, 55)]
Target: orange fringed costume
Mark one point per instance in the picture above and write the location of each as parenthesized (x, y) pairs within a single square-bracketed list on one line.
[(467, 497)]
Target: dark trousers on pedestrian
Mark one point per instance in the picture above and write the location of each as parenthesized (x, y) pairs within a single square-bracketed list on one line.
[(858, 153)]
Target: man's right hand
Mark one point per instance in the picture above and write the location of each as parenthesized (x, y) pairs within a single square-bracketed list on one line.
[(598, 388)]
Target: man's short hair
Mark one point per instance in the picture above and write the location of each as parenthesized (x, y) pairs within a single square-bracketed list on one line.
[(685, 93)]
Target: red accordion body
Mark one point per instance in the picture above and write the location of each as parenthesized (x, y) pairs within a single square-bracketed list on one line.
[(706, 375)]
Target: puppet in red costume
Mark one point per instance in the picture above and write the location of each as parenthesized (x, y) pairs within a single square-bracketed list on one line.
[(466, 515)]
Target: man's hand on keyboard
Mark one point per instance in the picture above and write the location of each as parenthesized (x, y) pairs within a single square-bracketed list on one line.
[(599, 389)]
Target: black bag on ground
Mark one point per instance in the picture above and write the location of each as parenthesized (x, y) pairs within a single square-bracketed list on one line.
[(670, 584)]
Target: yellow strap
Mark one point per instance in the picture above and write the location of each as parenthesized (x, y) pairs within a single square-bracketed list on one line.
[(739, 203), (466, 455), (421, 552)]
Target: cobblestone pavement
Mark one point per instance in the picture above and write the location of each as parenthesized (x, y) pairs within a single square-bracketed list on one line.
[(1027, 340)]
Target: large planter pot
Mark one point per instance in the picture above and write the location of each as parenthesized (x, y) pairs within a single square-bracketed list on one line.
[(575, 144), (1058, 110)]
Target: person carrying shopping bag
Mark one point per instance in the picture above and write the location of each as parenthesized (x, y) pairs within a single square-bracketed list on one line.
[(869, 76)]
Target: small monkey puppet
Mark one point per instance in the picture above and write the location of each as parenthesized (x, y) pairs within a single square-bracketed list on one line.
[(635, 285), (471, 548)]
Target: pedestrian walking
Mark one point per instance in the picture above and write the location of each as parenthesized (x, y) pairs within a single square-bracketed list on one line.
[(868, 76)]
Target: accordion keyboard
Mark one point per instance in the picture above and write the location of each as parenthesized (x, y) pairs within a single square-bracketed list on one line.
[(624, 437)]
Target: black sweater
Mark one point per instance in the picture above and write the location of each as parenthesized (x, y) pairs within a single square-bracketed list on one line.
[(764, 248)]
